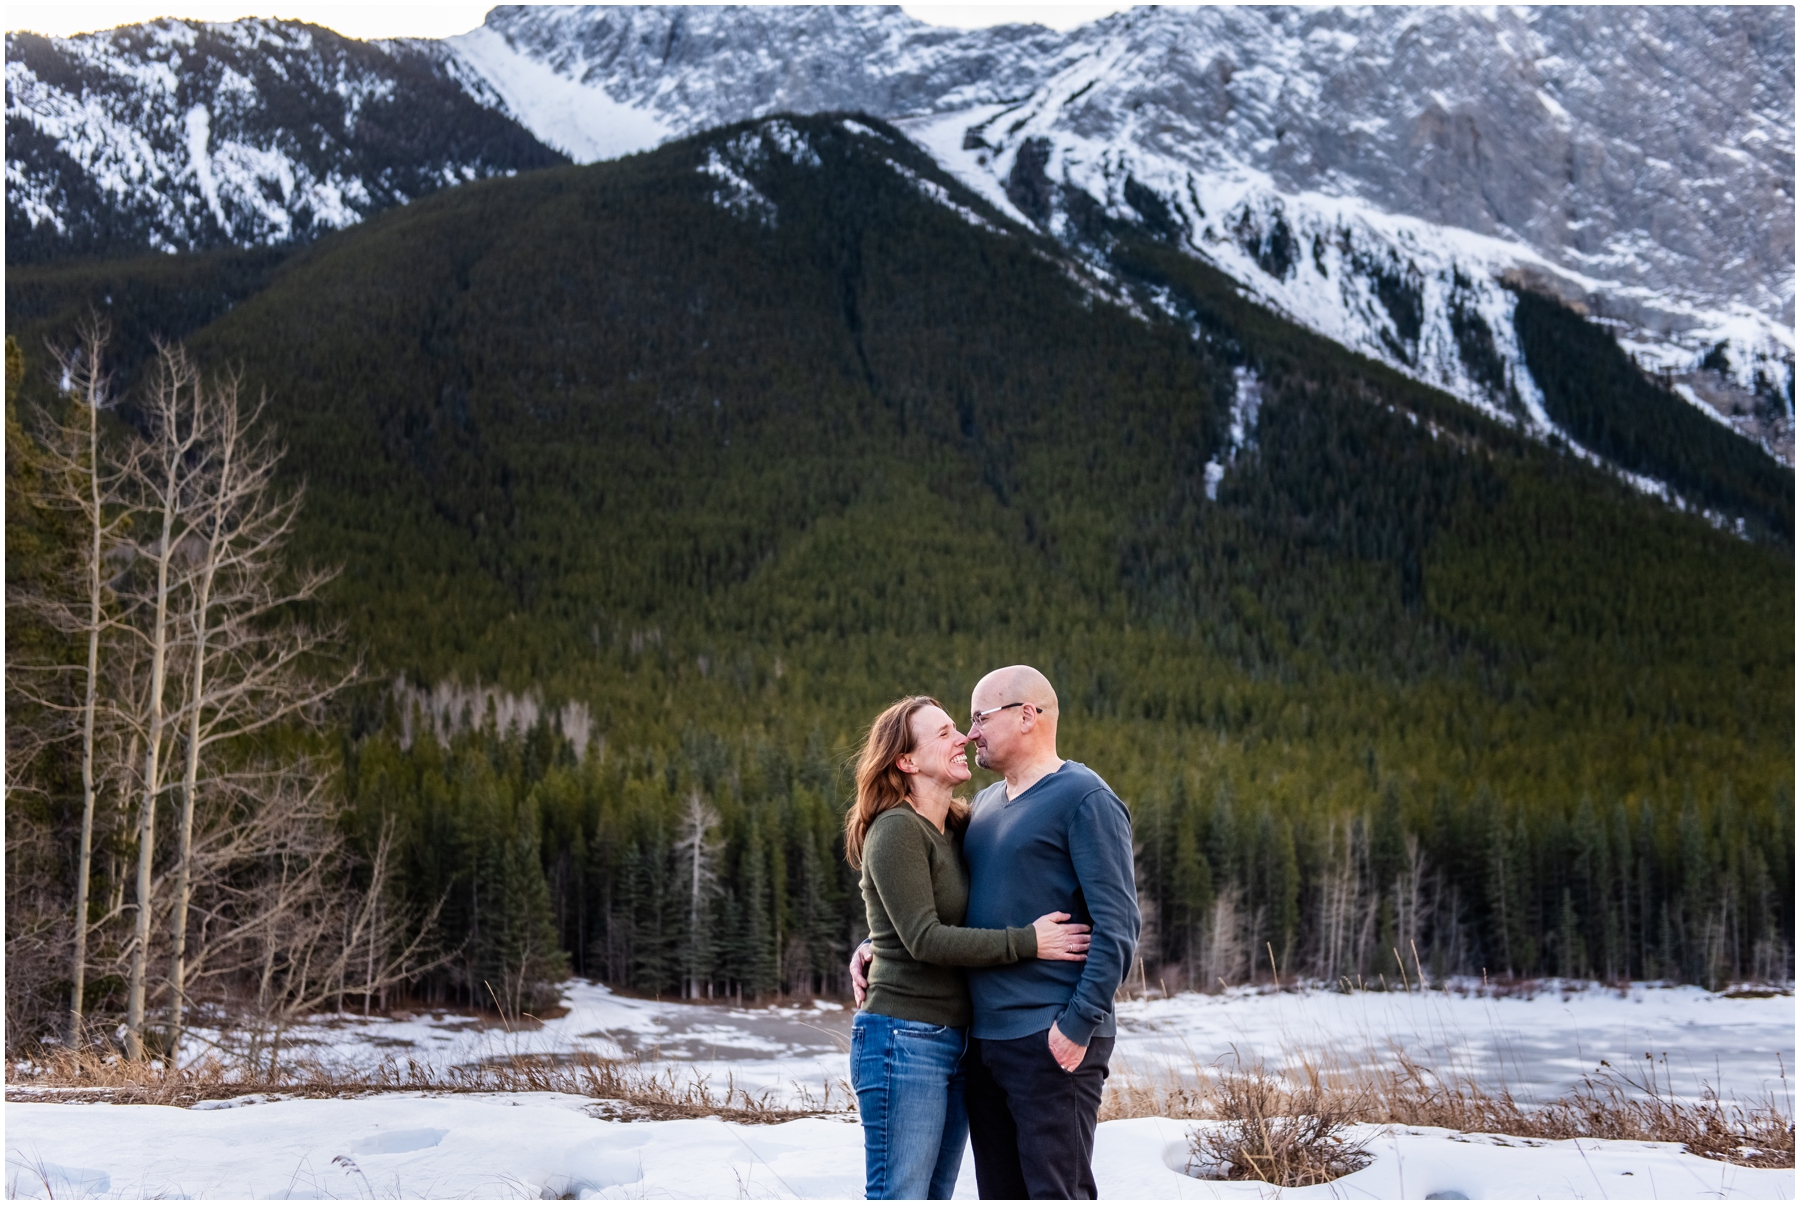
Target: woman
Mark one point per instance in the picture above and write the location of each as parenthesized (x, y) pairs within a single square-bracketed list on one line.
[(904, 833)]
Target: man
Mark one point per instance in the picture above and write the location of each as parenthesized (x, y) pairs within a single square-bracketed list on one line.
[(1053, 835)]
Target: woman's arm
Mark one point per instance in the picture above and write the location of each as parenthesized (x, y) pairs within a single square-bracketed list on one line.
[(898, 862)]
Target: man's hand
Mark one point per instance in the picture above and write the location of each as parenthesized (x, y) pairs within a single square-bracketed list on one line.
[(1067, 1054), (860, 958)]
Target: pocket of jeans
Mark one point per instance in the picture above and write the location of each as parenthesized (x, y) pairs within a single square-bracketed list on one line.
[(921, 1029), (859, 1046)]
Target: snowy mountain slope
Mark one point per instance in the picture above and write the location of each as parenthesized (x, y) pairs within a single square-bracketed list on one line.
[(1379, 174), (178, 135), (1383, 175)]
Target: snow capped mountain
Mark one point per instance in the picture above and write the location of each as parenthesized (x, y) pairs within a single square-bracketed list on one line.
[(179, 135), (1380, 174), (1386, 176)]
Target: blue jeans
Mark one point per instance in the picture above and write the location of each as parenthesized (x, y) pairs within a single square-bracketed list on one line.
[(908, 1079)]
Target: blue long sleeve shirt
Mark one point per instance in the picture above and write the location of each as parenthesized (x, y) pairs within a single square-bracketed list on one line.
[(1064, 845)]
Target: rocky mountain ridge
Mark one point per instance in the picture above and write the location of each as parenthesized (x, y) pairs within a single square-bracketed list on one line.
[(182, 135), (1385, 176)]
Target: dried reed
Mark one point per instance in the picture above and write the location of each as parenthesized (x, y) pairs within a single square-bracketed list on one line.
[(1293, 1128), (629, 1088)]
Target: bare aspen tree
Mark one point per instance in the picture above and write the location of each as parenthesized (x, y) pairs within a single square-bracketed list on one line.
[(244, 670), (88, 380), (698, 819), (75, 479), (298, 929), (1409, 893), (1225, 948), (163, 470), (175, 579)]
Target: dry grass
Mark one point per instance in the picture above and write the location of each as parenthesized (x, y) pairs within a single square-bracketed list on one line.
[(622, 1088), (1613, 1103), (1294, 1129)]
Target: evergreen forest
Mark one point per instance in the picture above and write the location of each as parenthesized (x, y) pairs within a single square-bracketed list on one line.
[(651, 482)]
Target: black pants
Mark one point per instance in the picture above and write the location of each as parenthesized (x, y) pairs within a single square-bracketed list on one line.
[(1031, 1123)]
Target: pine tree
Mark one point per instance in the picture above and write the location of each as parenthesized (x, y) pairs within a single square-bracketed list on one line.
[(1193, 894)]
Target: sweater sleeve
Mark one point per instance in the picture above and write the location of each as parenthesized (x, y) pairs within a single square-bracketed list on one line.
[(898, 862), (1100, 847)]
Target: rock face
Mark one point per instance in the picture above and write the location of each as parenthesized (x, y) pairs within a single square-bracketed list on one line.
[(179, 135), (1384, 175), (1649, 145)]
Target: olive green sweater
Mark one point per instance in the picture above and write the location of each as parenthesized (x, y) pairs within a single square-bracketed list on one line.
[(916, 890)]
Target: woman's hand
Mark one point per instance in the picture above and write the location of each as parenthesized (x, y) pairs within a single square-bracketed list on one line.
[(861, 959), (1058, 941)]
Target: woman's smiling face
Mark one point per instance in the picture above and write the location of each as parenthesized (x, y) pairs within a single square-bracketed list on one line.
[(939, 752)]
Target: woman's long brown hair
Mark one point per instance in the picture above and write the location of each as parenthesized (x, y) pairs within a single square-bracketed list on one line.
[(880, 786)]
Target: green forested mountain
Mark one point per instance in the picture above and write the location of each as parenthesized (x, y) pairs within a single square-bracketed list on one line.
[(733, 442)]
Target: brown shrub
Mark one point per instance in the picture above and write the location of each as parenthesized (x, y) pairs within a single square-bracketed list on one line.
[(1287, 1137)]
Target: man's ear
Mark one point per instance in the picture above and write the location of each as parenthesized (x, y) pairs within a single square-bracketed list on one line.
[(1028, 715)]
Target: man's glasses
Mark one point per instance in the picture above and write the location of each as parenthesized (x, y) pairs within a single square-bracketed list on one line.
[(981, 717)]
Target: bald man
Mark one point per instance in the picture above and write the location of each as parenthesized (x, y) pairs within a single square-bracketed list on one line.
[(1053, 835)]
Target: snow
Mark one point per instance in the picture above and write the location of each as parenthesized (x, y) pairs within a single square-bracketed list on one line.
[(506, 1146), (941, 137), (153, 138), (1246, 400), (199, 127), (778, 1048), (576, 118), (751, 150), (933, 191), (547, 1145), (737, 195), (1537, 1047), (526, 1145)]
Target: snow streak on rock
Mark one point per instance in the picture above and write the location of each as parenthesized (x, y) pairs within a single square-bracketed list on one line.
[(1246, 400), (750, 152)]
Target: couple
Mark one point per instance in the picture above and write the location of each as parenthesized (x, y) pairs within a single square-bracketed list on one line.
[(1012, 1052)]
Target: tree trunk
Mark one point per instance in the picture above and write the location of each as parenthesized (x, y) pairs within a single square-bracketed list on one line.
[(196, 696), (166, 479), (85, 858), (699, 835), (159, 661)]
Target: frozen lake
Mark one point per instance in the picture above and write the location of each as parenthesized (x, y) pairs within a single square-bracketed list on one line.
[(1536, 1046)]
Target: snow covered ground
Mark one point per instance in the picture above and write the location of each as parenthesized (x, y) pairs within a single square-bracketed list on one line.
[(549, 1146), (545, 1144), (1537, 1047)]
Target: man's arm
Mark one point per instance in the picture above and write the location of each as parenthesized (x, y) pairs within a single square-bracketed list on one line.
[(897, 862), (1100, 848)]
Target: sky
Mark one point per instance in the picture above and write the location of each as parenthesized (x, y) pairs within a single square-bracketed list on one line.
[(439, 18)]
